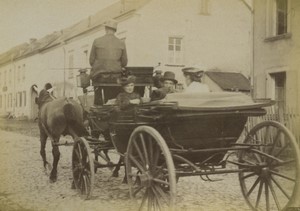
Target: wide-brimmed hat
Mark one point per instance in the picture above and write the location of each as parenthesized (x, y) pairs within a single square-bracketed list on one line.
[(193, 71), (168, 75), (111, 23), (126, 80)]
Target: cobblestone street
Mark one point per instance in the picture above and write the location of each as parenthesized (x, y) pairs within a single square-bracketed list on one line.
[(25, 185)]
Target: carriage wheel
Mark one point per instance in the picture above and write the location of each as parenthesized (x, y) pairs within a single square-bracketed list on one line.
[(273, 180), (150, 170), (83, 167)]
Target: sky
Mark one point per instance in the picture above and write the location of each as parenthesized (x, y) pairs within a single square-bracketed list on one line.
[(21, 20)]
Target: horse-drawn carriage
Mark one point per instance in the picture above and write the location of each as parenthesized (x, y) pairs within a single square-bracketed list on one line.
[(192, 135)]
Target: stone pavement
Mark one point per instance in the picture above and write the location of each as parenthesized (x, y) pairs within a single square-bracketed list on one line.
[(24, 185)]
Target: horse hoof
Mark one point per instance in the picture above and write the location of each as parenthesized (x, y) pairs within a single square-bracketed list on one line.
[(53, 177), (115, 174), (53, 180)]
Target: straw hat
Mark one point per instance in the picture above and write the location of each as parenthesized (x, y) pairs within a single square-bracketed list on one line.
[(111, 23)]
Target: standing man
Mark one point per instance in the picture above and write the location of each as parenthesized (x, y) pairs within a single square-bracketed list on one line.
[(108, 56), (45, 95)]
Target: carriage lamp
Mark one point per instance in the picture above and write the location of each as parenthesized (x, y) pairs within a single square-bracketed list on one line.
[(83, 79)]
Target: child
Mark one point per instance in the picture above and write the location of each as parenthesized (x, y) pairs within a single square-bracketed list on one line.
[(127, 97)]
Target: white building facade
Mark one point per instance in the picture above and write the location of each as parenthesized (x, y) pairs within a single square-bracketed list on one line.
[(173, 33)]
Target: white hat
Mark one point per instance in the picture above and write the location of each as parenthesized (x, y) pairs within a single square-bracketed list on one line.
[(111, 23)]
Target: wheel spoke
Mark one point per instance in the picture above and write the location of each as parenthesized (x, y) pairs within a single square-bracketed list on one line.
[(259, 193), (281, 150), (145, 150), (267, 197), (282, 175), (144, 200), (139, 152), (280, 188), (284, 163), (249, 175), (150, 201), (85, 184), (137, 190), (156, 157), (265, 155), (150, 147), (249, 162), (273, 194), (274, 142), (157, 198), (162, 194), (253, 186), (78, 155), (80, 152), (161, 181), (137, 163)]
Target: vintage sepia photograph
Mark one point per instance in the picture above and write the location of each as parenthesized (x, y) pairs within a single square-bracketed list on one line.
[(130, 105)]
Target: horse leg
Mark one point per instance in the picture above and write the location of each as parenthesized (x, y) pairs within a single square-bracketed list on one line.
[(116, 170), (125, 176), (56, 156), (43, 140)]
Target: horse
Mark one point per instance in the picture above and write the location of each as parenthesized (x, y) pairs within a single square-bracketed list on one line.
[(58, 117)]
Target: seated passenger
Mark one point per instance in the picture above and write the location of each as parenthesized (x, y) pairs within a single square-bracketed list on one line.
[(127, 97), (168, 86), (193, 77)]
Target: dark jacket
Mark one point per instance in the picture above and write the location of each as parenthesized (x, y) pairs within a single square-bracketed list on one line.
[(160, 93), (123, 99), (108, 54)]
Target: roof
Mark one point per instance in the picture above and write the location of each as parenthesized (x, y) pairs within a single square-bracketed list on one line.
[(113, 11), (230, 80)]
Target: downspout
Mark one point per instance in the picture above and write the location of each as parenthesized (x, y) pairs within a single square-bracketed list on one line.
[(251, 9), (64, 85), (14, 81)]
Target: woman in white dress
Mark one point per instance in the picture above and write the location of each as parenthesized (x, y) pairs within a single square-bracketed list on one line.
[(193, 77)]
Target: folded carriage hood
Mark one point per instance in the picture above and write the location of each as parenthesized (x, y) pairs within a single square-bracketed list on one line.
[(215, 101)]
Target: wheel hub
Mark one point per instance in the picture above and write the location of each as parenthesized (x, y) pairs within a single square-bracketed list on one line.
[(265, 172), (146, 179)]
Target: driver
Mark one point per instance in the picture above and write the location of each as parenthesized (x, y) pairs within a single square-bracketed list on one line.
[(108, 56)]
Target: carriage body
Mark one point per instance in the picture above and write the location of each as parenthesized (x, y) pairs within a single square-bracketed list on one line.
[(193, 135), (185, 130)]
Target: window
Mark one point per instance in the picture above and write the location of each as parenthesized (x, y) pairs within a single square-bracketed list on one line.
[(10, 77), (175, 51), (277, 17), (71, 65), (20, 98), (19, 74), (24, 98), (4, 78), (282, 14), (24, 73), (4, 102), (280, 91), (10, 100), (204, 7)]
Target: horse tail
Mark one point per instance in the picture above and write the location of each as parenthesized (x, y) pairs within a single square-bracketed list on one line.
[(73, 120)]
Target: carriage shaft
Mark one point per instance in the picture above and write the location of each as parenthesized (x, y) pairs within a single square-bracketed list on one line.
[(200, 173)]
